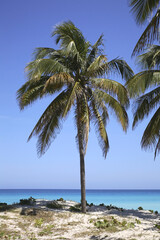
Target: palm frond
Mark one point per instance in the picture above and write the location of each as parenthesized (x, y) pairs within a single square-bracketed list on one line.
[(42, 52), (67, 32), (94, 51), (100, 128), (57, 81), (113, 88), (152, 132), (157, 148), (30, 91), (101, 107), (49, 123), (97, 67), (76, 89), (150, 59), (150, 34), (145, 104), (143, 8), (44, 67), (114, 105), (119, 66), (142, 81)]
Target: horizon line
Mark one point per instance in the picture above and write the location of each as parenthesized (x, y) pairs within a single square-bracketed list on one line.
[(113, 189)]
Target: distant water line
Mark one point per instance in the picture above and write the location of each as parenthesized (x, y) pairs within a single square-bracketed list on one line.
[(129, 199)]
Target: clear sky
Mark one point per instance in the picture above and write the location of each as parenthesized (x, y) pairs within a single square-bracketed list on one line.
[(26, 25)]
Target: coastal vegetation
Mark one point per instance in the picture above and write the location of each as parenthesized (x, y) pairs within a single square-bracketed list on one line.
[(78, 73), (98, 223)]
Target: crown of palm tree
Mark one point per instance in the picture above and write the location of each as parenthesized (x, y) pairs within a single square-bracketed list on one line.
[(77, 73)]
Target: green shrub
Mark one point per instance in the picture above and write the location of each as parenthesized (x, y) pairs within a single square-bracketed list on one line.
[(113, 225), (91, 204), (60, 199), (4, 207), (38, 222), (151, 211), (131, 225), (102, 224), (157, 226), (138, 221), (54, 205), (156, 212), (46, 230), (124, 223), (29, 201), (75, 208), (3, 204), (115, 222), (140, 208), (109, 207), (91, 220), (101, 205)]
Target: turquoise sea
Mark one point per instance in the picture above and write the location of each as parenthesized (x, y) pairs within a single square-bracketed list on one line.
[(129, 199)]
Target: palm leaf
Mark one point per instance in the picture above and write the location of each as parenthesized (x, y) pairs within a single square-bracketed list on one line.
[(98, 67), (42, 67), (100, 128), (150, 59), (31, 91), (151, 133), (112, 87), (143, 8), (118, 109), (94, 51), (157, 148), (48, 125), (145, 104), (120, 67), (72, 97), (102, 108), (150, 34), (68, 32), (42, 52), (142, 81), (57, 81)]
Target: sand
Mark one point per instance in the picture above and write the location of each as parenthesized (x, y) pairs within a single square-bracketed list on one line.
[(65, 224)]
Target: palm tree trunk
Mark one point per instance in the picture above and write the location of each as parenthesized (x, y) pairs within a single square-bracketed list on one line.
[(82, 176), (81, 152)]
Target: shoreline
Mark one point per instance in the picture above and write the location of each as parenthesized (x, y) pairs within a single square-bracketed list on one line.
[(60, 219), (148, 199)]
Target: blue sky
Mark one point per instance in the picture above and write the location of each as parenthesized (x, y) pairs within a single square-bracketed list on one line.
[(26, 25)]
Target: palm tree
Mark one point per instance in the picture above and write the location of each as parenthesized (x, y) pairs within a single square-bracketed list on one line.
[(146, 85), (143, 9), (76, 72)]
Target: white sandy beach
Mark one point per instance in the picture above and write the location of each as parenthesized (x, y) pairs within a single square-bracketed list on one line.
[(64, 224)]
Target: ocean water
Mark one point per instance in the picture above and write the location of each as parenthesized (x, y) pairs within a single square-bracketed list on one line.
[(129, 199)]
